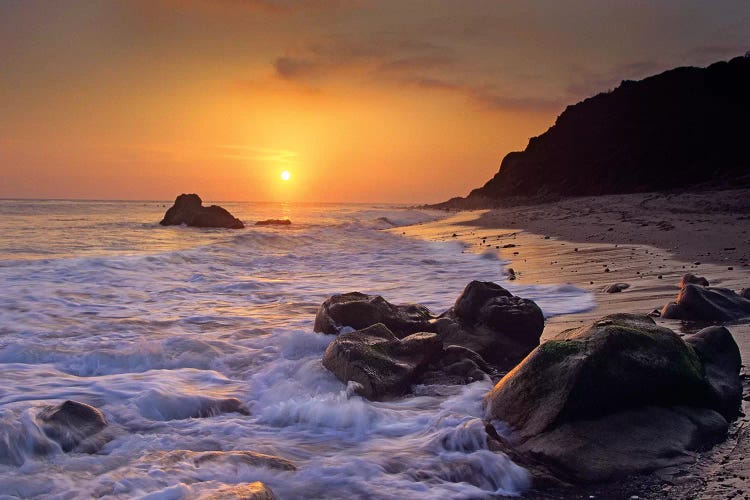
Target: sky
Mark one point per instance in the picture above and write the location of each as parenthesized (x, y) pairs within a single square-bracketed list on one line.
[(402, 101)]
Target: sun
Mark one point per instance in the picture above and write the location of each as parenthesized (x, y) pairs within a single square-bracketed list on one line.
[(286, 175)]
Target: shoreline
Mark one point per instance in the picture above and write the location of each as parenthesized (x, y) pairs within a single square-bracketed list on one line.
[(548, 244)]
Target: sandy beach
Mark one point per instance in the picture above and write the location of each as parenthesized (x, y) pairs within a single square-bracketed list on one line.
[(648, 241)]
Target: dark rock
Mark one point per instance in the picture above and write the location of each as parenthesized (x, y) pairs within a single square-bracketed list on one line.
[(383, 365), (617, 397), (745, 293), (457, 365), (701, 303), (721, 360), (249, 491), (274, 222), (693, 279), (71, 423), (488, 319), (616, 287), (358, 310), (188, 209)]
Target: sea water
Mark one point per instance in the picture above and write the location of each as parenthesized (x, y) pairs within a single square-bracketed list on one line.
[(100, 304)]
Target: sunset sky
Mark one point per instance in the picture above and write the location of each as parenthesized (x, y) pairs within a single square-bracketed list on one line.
[(391, 101)]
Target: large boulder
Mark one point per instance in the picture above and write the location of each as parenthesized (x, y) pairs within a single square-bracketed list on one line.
[(702, 303), (71, 423), (382, 365), (358, 310), (721, 360), (188, 209), (617, 397), (488, 319)]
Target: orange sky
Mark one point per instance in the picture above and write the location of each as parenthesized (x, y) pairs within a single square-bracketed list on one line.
[(390, 101)]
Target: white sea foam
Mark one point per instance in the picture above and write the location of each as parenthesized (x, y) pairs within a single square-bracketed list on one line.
[(152, 324)]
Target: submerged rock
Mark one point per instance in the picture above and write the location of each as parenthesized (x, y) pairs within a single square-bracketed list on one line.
[(382, 365), (71, 423), (160, 405), (225, 458), (249, 491), (358, 310), (701, 303), (618, 397), (274, 222), (188, 209)]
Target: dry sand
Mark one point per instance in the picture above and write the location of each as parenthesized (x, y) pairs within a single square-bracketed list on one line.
[(647, 241)]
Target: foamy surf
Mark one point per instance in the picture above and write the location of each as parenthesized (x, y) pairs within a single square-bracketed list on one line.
[(155, 337)]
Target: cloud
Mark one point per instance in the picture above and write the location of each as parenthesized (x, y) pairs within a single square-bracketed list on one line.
[(290, 68), (488, 97)]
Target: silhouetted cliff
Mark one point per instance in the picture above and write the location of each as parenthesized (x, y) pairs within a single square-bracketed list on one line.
[(682, 127)]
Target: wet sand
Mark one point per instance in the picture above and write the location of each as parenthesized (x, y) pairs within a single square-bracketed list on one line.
[(647, 241)]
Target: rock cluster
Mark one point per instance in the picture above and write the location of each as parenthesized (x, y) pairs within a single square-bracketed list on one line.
[(392, 347)]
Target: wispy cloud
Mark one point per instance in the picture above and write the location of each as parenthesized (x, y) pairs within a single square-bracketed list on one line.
[(254, 153)]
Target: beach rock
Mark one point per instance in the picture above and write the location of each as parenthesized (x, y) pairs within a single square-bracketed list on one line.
[(617, 397), (358, 310), (721, 360), (71, 423), (188, 209), (274, 222), (486, 318), (693, 279), (616, 287), (249, 491), (701, 303), (382, 365)]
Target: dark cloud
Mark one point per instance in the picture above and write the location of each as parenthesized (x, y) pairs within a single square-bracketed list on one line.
[(415, 63), (290, 68)]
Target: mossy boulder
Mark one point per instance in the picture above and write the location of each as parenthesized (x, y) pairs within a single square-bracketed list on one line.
[(616, 397)]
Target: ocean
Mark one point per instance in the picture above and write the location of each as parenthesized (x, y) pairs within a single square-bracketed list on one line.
[(100, 304)]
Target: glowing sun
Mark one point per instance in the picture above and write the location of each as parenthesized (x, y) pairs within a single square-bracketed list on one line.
[(286, 175)]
